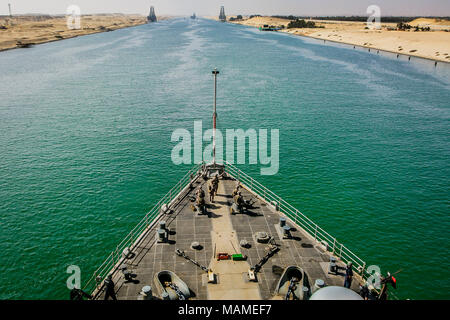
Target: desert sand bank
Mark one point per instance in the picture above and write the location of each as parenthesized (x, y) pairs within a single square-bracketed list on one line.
[(433, 44), (20, 31)]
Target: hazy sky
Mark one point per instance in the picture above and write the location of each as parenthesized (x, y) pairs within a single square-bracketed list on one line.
[(211, 7)]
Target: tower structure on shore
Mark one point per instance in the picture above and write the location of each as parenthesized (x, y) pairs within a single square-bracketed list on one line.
[(222, 16), (9, 7), (151, 16)]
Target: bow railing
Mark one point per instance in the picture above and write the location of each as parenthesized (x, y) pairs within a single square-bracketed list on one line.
[(323, 238), (132, 238), (327, 241)]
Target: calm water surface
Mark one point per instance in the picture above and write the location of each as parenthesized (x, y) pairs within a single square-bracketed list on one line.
[(85, 127)]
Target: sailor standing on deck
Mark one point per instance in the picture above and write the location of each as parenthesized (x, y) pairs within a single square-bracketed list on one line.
[(78, 294), (239, 200), (211, 193), (200, 201), (215, 184), (348, 275), (236, 191), (200, 192), (364, 291), (200, 195), (109, 288)]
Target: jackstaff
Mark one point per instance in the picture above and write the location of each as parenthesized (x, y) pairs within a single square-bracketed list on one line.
[(215, 72)]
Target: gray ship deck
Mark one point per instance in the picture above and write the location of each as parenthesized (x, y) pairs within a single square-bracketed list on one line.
[(220, 231)]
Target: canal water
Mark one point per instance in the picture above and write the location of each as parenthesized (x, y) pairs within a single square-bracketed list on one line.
[(85, 144)]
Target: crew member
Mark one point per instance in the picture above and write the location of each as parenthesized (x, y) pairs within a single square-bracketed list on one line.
[(109, 288), (215, 184), (236, 191), (211, 193), (239, 200), (78, 294), (200, 193), (214, 189), (200, 200), (348, 275), (364, 292)]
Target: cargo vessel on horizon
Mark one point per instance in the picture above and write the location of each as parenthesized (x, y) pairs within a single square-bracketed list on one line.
[(152, 16)]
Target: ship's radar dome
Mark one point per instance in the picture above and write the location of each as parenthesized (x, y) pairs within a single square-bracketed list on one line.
[(335, 293)]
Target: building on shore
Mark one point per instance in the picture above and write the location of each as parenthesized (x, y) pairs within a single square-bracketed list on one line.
[(222, 16), (152, 16)]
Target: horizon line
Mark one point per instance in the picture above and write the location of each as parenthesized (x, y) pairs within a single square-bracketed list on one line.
[(209, 15)]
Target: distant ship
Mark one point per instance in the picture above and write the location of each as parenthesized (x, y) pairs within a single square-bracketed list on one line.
[(222, 16), (193, 16), (152, 16), (236, 246), (266, 27)]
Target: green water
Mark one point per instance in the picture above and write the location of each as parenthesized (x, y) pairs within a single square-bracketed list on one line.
[(85, 128)]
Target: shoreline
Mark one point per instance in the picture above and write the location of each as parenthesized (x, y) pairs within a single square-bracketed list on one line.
[(66, 38), (374, 48), (27, 31), (432, 45)]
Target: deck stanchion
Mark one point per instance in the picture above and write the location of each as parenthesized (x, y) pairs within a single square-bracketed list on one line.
[(112, 259), (97, 283)]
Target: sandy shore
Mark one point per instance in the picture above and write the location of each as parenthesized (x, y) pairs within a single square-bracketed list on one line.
[(433, 45), (23, 30)]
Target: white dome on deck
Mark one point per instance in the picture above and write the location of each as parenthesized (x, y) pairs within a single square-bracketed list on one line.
[(335, 293)]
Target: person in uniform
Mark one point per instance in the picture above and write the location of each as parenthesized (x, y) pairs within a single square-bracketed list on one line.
[(200, 194), (211, 192), (214, 190), (239, 200), (200, 201), (109, 288), (236, 191), (78, 294), (348, 275), (364, 292), (236, 199), (215, 184)]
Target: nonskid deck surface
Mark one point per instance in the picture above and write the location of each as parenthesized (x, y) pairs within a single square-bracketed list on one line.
[(219, 231)]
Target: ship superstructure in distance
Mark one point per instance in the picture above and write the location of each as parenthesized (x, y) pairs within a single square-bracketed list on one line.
[(152, 16), (222, 16)]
